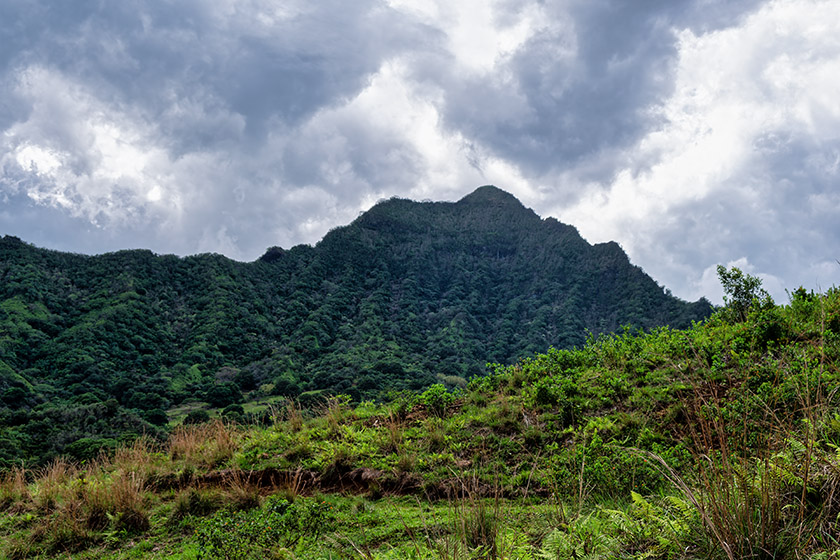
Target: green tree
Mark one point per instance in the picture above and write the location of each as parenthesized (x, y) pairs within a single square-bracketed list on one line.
[(742, 292), (223, 394)]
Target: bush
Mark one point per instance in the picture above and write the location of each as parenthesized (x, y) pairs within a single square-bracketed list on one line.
[(87, 448), (285, 388), (197, 417), (157, 417), (235, 411), (437, 399), (223, 394)]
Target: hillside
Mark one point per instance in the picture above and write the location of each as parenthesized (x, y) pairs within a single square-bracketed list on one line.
[(718, 441), (96, 347)]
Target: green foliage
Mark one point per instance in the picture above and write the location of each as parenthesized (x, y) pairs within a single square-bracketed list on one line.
[(437, 399), (719, 441), (199, 416), (277, 529), (743, 292)]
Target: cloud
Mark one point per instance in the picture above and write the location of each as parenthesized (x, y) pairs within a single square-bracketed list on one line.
[(163, 118), (744, 163), (694, 132)]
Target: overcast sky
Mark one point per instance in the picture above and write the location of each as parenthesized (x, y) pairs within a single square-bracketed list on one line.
[(692, 132)]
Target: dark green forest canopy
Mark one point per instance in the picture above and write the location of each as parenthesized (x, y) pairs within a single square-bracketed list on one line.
[(407, 295)]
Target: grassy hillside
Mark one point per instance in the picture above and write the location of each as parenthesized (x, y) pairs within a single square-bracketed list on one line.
[(716, 441)]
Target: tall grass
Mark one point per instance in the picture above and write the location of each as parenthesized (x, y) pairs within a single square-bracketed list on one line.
[(762, 483), (205, 445), (53, 483), (14, 490)]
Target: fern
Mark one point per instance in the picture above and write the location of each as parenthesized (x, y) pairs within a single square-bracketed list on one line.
[(587, 538)]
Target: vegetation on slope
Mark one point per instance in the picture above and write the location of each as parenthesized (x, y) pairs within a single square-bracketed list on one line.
[(716, 441), (94, 350)]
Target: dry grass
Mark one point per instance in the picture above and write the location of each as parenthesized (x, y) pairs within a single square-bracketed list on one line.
[(99, 504), (53, 483), (140, 457), (204, 445), (242, 493), (66, 530), (294, 416), (127, 490), (396, 433), (13, 489)]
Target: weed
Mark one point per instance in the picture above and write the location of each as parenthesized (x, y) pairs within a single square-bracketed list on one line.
[(406, 462), (137, 458), (98, 500), (294, 488), (65, 530), (299, 451), (395, 433), (587, 537), (336, 411), (435, 434), (52, 484), (127, 490), (260, 533), (18, 548)]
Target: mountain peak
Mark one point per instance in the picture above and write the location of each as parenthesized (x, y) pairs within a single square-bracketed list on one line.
[(490, 194)]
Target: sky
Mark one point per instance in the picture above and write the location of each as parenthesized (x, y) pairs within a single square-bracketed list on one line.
[(692, 132)]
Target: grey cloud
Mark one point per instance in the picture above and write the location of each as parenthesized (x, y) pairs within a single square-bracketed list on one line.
[(145, 54), (37, 223), (583, 111), (210, 88), (780, 213)]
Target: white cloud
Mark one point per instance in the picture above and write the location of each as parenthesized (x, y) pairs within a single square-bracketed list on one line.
[(82, 155), (479, 32), (743, 97)]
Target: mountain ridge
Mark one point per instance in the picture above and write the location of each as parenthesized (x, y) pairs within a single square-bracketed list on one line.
[(408, 294)]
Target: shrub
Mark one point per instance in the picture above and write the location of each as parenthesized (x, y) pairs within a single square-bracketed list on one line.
[(87, 448), (223, 394), (157, 416), (197, 417), (233, 413), (437, 399)]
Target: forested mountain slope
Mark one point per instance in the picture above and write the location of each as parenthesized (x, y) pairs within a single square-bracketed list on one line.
[(407, 294)]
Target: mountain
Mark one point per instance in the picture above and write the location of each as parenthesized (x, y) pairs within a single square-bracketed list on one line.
[(407, 294)]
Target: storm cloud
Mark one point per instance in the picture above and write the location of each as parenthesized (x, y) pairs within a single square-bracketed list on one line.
[(693, 132)]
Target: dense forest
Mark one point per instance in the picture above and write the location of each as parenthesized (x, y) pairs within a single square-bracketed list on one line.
[(94, 348)]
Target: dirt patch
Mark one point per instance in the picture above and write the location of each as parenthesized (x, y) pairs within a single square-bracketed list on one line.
[(337, 480)]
